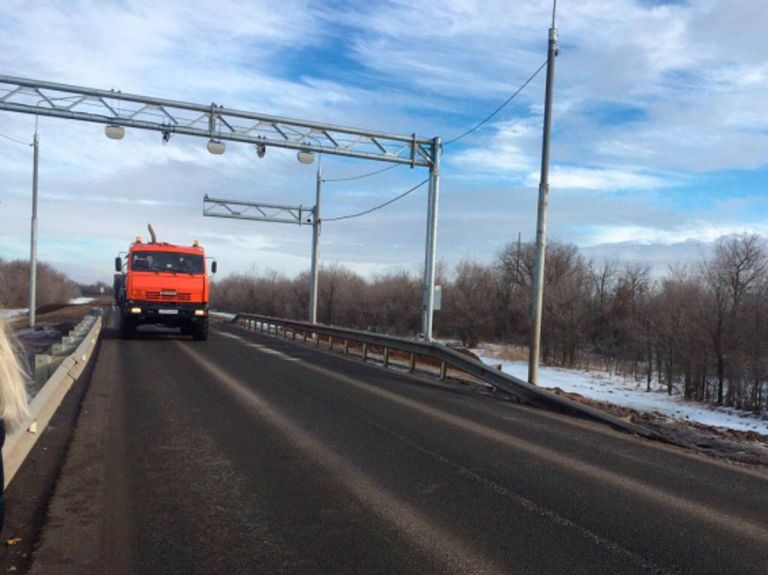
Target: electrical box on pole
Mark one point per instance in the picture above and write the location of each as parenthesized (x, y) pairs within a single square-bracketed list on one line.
[(438, 299)]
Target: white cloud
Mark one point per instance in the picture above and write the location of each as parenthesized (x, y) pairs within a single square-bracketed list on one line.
[(599, 179), (509, 149), (647, 235)]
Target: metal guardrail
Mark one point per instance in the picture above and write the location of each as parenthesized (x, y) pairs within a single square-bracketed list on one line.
[(79, 345), (47, 363), (444, 358)]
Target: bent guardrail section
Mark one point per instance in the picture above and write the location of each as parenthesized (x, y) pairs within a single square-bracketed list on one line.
[(445, 358), (81, 343)]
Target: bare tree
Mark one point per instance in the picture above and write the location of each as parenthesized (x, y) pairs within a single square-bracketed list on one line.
[(738, 266), (470, 303)]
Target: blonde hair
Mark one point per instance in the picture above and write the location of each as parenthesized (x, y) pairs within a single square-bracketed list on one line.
[(13, 393)]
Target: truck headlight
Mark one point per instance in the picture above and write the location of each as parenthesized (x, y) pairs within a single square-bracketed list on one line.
[(199, 312), (135, 310)]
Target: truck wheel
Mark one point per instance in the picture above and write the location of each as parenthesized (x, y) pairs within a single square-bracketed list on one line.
[(200, 330), (127, 328)]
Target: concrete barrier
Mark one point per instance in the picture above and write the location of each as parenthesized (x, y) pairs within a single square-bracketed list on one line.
[(42, 407)]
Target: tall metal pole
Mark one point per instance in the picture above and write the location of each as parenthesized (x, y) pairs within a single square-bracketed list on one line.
[(429, 267), (315, 248), (541, 224), (33, 237)]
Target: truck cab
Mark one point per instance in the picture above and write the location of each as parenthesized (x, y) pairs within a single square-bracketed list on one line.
[(163, 284)]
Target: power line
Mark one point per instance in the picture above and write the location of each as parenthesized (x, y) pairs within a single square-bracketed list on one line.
[(456, 139), (500, 108), (15, 140), (385, 204), (361, 176)]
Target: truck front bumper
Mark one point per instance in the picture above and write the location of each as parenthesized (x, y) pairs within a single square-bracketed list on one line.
[(165, 313)]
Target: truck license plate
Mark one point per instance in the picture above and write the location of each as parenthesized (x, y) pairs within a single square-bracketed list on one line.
[(168, 311)]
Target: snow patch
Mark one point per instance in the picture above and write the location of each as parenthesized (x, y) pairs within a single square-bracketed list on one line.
[(80, 300), (626, 392), (11, 313)]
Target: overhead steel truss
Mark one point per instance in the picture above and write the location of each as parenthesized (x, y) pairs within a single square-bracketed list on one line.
[(113, 107), (235, 209)]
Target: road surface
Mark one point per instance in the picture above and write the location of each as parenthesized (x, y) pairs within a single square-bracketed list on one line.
[(248, 454)]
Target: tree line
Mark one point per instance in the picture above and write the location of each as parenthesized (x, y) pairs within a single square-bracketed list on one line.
[(52, 286), (701, 329)]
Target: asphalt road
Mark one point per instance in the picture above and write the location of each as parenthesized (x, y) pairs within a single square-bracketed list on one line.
[(247, 454)]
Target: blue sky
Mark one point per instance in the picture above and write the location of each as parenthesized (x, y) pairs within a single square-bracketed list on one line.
[(660, 138)]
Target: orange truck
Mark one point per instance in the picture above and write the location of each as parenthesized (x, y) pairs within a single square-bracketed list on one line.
[(163, 284)]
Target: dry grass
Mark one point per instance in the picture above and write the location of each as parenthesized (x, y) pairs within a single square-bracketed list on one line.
[(55, 315)]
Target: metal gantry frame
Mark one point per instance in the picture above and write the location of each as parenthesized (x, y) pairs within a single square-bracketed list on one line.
[(217, 123), (261, 212), (113, 107)]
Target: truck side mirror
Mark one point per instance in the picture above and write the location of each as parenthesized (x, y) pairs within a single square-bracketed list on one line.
[(118, 264), (214, 267)]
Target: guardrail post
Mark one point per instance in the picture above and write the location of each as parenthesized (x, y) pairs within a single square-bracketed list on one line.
[(62, 349), (412, 363), (42, 367), (365, 352), (443, 370), (346, 346), (330, 342), (317, 339), (386, 357)]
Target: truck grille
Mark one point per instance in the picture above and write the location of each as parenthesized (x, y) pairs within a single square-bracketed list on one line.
[(168, 295)]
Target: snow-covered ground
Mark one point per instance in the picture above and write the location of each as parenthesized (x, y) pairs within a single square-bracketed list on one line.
[(628, 393), (11, 313), (80, 300)]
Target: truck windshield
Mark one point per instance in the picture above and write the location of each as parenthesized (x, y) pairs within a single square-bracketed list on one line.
[(167, 262)]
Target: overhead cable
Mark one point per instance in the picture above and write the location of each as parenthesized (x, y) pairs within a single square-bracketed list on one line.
[(385, 204), (499, 109), (15, 140), (456, 139), (361, 176)]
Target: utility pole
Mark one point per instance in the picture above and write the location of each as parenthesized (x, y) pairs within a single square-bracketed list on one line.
[(541, 223), (315, 248), (33, 238)]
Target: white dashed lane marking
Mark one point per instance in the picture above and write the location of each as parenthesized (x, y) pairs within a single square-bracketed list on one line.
[(260, 347)]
